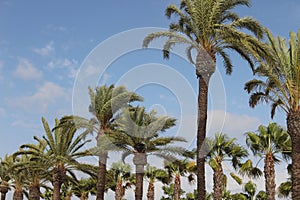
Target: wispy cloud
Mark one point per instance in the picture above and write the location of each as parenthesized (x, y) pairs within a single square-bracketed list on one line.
[(47, 94), (45, 51), (70, 64), (27, 71), (2, 112)]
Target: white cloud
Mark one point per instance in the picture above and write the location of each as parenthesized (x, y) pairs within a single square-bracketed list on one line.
[(46, 95), (27, 71), (45, 51), (70, 64), (232, 124)]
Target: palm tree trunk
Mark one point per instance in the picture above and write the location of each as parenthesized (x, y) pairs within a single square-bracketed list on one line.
[(34, 192), (68, 197), (18, 194), (4, 189), (59, 177), (150, 194), (218, 183), (269, 172), (201, 134), (293, 125), (139, 170), (205, 67), (119, 188), (3, 195), (83, 196), (101, 176), (177, 187)]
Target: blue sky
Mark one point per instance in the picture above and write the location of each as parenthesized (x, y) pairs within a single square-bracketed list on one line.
[(46, 47)]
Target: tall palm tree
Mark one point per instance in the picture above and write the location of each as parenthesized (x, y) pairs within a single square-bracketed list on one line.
[(63, 148), (120, 179), (267, 144), (106, 102), (154, 174), (209, 28), (139, 135), (4, 177), (280, 85), (177, 169), (220, 149)]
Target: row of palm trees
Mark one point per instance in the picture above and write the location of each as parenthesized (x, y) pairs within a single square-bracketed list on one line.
[(54, 159), (210, 27)]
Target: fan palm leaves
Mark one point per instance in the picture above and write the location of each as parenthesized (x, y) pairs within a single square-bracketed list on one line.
[(220, 149), (138, 134), (179, 168), (208, 28), (267, 144), (120, 178), (154, 174), (280, 86), (105, 104)]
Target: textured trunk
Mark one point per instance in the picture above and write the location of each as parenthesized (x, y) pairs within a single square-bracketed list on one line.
[(177, 187), (101, 176), (218, 183), (4, 189), (3, 195), (293, 124), (269, 172), (140, 160), (34, 192), (205, 67), (83, 196), (68, 197), (59, 177), (150, 194), (119, 190), (18, 194)]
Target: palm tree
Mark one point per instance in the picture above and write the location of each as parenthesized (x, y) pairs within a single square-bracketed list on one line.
[(280, 85), (106, 102), (63, 148), (120, 179), (268, 143), (177, 169), (285, 188), (4, 177), (209, 27), (139, 135), (85, 187), (154, 174), (35, 170), (220, 149)]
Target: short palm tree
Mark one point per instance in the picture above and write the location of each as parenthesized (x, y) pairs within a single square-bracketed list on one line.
[(120, 179), (62, 150), (138, 134), (85, 187), (179, 168), (285, 188), (280, 85), (5, 178), (153, 174), (209, 28), (267, 144), (220, 149), (106, 102)]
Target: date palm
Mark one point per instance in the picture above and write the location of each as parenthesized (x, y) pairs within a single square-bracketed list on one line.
[(209, 28), (221, 149), (268, 143), (280, 86), (63, 148), (154, 174), (105, 104), (138, 134)]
